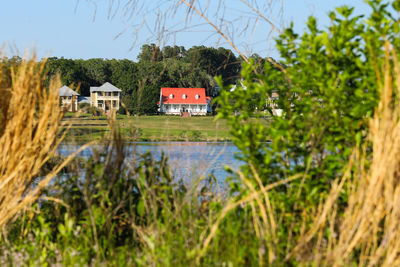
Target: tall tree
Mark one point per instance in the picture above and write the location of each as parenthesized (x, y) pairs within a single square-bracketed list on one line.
[(176, 52), (69, 70), (214, 62), (150, 52)]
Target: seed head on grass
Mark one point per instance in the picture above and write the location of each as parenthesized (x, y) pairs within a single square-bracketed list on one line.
[(29, 132)]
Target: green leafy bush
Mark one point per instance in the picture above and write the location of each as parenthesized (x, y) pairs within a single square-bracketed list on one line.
[(328, 89)]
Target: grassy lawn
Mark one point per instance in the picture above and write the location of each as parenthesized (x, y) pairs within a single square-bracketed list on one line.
[(150, 128)]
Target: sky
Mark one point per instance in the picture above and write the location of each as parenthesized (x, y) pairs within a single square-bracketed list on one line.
[(103, 29)]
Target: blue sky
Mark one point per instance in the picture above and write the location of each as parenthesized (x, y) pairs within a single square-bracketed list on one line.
[(87, 29)]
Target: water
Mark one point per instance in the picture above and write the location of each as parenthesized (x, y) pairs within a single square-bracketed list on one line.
[(186, 159)]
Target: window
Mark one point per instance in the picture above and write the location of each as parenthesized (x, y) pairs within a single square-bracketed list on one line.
[(114, 103), (197, 96), (171, 96), (116, 93), (100, 103), (184, 96)]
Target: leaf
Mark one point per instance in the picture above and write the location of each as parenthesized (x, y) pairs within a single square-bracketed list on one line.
[(61, 229), (140, 207)]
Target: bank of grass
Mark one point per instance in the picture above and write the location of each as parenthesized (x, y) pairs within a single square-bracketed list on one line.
[(149, 128)]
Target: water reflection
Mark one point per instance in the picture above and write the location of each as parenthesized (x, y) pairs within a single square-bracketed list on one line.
[(186, 159)]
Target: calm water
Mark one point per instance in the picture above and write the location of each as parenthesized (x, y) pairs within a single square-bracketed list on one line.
[(187, 159)]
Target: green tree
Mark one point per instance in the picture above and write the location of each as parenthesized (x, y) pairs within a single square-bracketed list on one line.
[(182, 74), (176, 52), (97, 70), (145, 101), (151, 77), (215, 62), (69, 70), (327, 89), (123, 74), (150, 52)]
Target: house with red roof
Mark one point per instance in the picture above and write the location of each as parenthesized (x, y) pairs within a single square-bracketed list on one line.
[(175, 101)]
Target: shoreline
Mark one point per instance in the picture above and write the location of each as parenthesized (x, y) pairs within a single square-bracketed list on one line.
[(83, 139), (150, 129)]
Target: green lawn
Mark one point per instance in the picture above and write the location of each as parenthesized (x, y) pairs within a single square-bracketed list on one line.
[(150, 128)]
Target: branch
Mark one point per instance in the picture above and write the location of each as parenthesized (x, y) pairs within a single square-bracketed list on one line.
[(191, 6), (261, 15)]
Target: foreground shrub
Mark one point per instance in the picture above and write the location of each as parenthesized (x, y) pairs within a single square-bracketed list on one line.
[(367, 231), (328, 88), (29, 121)]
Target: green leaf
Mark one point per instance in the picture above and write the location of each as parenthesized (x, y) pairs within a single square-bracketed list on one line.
[(140, 207)]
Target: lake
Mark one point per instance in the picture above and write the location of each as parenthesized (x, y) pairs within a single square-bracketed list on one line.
[(186, 159)]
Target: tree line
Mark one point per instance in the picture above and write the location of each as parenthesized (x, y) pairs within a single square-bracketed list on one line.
[(170, 66), (141, 80)]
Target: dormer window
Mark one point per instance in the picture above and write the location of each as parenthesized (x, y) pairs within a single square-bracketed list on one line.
[(184, 96), (197, 96), (171, 96)]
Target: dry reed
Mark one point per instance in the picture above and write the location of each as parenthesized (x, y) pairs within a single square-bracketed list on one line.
[(368, 233), (261, 207), (29, 128)]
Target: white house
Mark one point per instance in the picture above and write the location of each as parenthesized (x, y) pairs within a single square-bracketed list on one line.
[(68, 99), (106, 97), (174, 101)]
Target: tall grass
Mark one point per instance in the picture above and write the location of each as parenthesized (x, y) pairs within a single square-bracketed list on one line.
[(29, 129)]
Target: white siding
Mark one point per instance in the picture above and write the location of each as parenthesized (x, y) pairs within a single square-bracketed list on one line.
[(175, 109)]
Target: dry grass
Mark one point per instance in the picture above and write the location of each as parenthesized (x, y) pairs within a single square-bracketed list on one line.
[(368, 233), (29, 126), (263, 213)]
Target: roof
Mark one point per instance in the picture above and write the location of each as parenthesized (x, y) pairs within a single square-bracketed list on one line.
[(179, 98), (94, 89), (84, 99), (107, 87), (66, 91)]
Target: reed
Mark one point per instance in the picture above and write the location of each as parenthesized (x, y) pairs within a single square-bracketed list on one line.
[(29, 129)]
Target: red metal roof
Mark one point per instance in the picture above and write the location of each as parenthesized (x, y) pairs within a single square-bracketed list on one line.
[(178, 93)]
